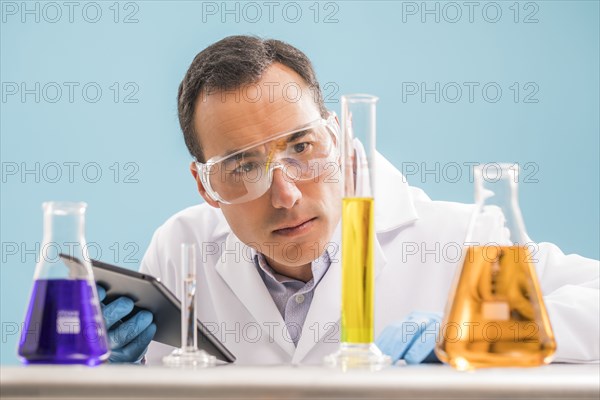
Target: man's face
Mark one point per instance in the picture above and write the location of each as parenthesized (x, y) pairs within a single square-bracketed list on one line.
[(292, 222)]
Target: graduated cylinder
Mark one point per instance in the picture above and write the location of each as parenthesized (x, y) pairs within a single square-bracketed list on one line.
[(358, 235)]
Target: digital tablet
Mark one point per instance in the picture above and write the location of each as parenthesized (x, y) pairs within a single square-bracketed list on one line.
[(149, 293)]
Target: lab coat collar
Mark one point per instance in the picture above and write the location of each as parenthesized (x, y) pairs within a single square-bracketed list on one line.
[(394, 205), (222, 228)]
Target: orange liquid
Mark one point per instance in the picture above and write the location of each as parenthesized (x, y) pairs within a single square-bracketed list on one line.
[(497, 317)]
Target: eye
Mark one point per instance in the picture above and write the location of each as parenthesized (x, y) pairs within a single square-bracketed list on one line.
[(301, 147), (245, 168)]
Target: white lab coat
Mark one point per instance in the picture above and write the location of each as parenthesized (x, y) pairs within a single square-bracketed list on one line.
[(417, 253)]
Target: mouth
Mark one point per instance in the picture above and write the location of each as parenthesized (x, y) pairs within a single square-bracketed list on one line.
[(295, 229)]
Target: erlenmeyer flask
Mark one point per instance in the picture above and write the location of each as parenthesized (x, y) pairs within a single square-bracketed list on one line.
[(495, 315), (64, 324)]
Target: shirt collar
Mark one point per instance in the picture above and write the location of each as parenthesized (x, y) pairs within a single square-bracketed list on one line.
[(318, 267)]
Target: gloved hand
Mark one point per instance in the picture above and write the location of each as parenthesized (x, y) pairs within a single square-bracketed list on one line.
[(413, 339), (129, 340)]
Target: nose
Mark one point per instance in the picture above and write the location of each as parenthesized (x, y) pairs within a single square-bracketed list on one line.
[(284, 193)]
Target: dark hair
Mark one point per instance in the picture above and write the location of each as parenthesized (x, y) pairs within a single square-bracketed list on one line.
[(233, 62)]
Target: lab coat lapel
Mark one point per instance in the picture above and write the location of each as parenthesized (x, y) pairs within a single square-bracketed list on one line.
[(325, 309), (239, 271)]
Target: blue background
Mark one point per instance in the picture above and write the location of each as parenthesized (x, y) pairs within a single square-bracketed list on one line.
[(356, 46)]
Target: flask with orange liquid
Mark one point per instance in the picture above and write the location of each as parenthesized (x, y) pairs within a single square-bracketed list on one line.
[(495, 316)]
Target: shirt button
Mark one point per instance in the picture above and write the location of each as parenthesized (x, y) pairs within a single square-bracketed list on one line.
[(300, 299)]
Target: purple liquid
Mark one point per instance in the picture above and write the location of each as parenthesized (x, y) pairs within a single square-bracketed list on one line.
[(62, 325)]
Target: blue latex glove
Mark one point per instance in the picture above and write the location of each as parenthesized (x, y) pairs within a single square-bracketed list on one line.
[(413, 339), (129, 340)]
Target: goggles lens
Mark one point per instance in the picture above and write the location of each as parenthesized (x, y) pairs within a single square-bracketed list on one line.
[(246, 175)]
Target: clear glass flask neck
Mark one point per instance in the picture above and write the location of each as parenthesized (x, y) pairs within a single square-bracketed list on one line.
[(64, 222), (498, 218), (63, 234)]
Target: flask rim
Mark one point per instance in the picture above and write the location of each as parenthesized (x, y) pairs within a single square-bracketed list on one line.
[(359, 98), (64, 207), (500, 171)]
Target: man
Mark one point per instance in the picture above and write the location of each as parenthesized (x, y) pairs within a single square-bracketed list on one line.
[(268, 263)]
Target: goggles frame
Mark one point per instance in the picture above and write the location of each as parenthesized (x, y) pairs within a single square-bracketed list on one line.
[(331, 122)]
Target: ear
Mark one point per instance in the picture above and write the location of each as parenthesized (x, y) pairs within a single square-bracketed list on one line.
[(201, 188)]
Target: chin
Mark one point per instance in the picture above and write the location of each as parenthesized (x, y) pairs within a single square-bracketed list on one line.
[(313, 250)]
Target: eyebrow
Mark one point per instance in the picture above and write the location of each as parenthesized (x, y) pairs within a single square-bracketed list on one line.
[(243, 154), (299, 134)]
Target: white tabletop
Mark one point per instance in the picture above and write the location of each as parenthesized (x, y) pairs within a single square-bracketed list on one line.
[(557, 381)]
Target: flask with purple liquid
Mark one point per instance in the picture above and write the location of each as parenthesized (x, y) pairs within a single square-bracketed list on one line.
[(64, 323)]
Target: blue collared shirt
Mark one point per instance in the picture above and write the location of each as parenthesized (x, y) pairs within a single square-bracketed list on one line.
[(291, 296)]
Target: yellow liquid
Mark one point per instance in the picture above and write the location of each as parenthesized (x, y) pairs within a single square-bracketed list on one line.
[(357, 270), (497, 317)]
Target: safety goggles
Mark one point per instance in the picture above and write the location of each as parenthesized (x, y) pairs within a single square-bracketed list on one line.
[(302, 154)]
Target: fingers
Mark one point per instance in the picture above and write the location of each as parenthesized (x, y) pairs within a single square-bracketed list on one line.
[(129, 330), (413, 339), (116, 310), (101, 292), (388, 341), (422, 349), (135, 350), (397, 339), (129, 341)]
